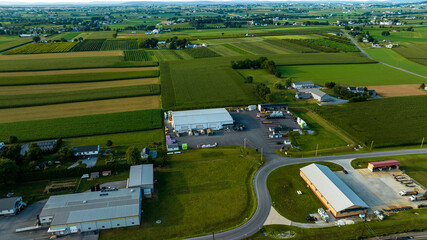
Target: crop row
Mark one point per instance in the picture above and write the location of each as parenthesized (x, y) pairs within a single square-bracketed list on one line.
[(138, 55), (120, 44), (27, 100), (345, 47), (89, 45), (43, 48), (82, 125), (201, 52)]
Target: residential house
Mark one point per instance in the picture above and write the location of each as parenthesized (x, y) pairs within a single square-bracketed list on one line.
[(86, 151)]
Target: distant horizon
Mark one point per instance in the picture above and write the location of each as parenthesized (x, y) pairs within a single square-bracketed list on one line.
[(178, 1)]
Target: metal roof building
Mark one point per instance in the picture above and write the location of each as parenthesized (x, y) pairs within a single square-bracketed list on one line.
[(10, 206), (332, 191), (383, 165), (183, 121), (91, 211), (141, 176)]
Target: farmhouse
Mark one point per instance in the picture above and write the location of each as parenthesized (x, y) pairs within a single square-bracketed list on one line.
[(303, 84), (306, 93), (273, 107), (141, 176), (332, 191), (383, 165), (11, 206), (86, 151), (90, 211), (215, 119)]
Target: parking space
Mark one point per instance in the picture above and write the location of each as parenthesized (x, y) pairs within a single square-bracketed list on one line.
[(379, 190), (256, 132)]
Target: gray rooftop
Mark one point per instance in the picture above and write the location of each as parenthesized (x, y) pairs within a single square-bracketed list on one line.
[(141, 175), (92, 206), (201, 116), (303, 82), (313, 91), (7, 203), (333, 189)]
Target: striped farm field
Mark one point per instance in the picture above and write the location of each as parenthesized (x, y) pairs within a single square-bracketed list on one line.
[(89, 45), (138, 55), (201, 52), (76, 71), (53, 88), (62, 55), (183, 55), (43, 48), (236, 49), (291, 47), (76, 78), (119, 44), (82, 125), (166, 55), (255, 48), (79, 109), (38, 99), (221, 50)]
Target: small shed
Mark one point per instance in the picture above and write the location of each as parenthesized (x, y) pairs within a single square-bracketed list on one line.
[(145, 153), (106, 173), (173, 147), (251, 107), (94, 175), (383, 165)]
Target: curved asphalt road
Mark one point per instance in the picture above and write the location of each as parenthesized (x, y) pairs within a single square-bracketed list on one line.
[(274, 161)]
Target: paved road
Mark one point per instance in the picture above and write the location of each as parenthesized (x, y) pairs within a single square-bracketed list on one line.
[(388, 65), (274, 161)]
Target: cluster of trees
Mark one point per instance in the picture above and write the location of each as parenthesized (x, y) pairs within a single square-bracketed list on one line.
[(346, 94), (175, 43), (264, 92), (261, 62), (148, 43), (133, 156), (385, 33), (308, 23)]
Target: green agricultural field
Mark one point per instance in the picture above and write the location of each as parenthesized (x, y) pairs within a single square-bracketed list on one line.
[(82, 125), (391, 57), (203, 83), (7, 42), (69, 63), (388, 122), (26, 100), (414, 165), (89, 45), (138, 55), (236, 49), (201, 52), (283, 184), (97, 35), (352, 74), (199, 191), (76, 78), (119, 44), (405, 221), (43, 48), (223, 51), (414, 51), (418, 35), (166, 55)]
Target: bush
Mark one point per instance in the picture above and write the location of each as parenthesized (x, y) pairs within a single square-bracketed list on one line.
[(13, 139), (277, 85), (249, 79), (109, 143)]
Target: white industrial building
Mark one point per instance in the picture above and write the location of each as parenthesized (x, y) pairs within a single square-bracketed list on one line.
[(11, 206), (303, 84), (340, 200), (306, 93), (141, 176), (89, 211), (215, 119)]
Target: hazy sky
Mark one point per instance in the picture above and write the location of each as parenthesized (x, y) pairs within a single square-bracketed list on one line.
[(115, 1)]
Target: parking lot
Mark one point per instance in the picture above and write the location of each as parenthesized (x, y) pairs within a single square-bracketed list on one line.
[(256, 133), (379, 189)]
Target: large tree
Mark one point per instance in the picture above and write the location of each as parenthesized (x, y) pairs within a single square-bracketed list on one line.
[(8, 170), (133, 155), (34, 152)]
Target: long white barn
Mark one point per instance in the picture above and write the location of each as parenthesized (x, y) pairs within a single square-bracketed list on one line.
[(215, 119)]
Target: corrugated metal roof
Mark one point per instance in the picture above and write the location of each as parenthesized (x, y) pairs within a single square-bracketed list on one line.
[(88, 206), (385, 163), (314, 91), (7, 203), (141, 175), (333, 189), (201, 116)]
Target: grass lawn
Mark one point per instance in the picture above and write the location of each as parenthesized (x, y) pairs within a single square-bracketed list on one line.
[(283, 184), (30, 191), (85, 184), (406, 221), (414, 165), (388, 122), (352, 74), (199, 192), (393, 58)]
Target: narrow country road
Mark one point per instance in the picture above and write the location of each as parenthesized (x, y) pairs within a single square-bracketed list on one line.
[(274, 161), (386, 64)]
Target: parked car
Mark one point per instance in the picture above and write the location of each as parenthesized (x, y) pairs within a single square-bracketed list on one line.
[(311, 219), (344, 171)]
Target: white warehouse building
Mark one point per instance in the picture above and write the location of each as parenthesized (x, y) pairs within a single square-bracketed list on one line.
[(215, 119), (142, 176), (90, 211)]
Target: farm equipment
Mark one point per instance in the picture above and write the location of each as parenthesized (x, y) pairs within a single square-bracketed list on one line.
[(418, 198), (267, 122), (408, 193)]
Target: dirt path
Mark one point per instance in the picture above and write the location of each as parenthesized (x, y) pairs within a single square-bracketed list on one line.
[(79, 109), (66, 87), (75, 71), (62, 55), (398, 90)]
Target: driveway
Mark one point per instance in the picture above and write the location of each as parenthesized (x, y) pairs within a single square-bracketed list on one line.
[(90, 162)]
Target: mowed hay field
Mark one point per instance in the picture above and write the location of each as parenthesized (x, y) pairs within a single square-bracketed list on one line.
[(352, 74), (398, 90), (62, 87), (76, 71), (388, 122), (79, 109)]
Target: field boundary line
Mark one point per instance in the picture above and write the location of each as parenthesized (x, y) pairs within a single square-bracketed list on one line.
[(388, 65)]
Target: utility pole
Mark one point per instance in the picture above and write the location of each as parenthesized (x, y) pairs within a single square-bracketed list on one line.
[(213, 235), (317, 147), (422, 143), (244, 143), (261, 154), (372, 144)]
